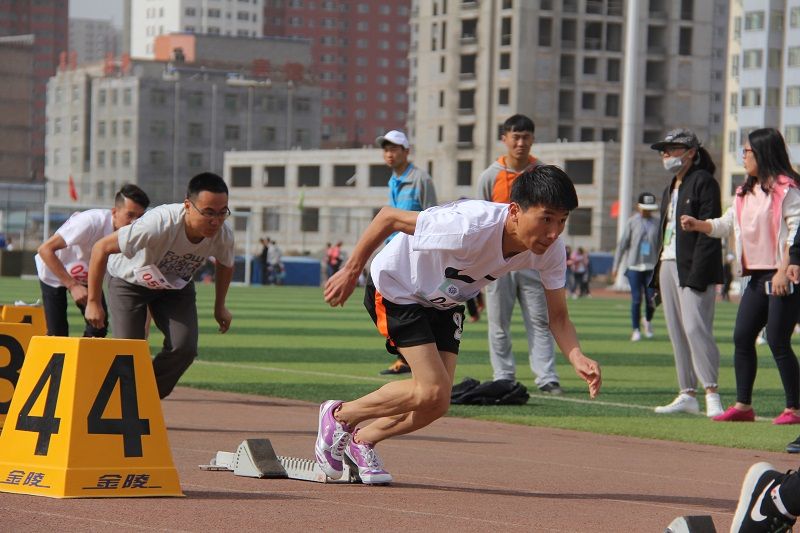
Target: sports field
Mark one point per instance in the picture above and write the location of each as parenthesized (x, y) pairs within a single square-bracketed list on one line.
[(285, 342)]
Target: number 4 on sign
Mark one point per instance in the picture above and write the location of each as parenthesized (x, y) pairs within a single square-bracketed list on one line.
[(86, 421)]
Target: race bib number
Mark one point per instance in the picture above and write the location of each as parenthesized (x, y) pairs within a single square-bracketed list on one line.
[(79, 271), (150, 276)]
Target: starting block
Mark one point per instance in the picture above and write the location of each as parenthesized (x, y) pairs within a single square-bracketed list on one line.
[(257, 458), (692, 524)]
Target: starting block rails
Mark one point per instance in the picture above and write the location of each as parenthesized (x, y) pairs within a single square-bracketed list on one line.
[(257, 458), (692, 524), (86, 422)]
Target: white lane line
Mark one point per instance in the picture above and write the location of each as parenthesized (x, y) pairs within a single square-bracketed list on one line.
[(91, 520)]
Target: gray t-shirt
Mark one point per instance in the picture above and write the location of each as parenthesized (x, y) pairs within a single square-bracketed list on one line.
[(158, 239)]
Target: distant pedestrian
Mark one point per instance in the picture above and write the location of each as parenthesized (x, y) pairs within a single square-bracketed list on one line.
[(637, 254), (262, 260)]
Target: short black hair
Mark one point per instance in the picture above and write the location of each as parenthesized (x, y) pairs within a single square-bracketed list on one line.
[(518, 123), (132, 193), (205, 181), (544, 185)]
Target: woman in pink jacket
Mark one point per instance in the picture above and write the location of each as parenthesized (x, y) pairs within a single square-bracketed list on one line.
[(764, 218)]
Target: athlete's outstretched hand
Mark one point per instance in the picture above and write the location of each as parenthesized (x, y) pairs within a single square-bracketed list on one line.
[(339, 287), (589, 371)]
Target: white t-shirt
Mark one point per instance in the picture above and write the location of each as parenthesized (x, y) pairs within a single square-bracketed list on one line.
[(156, 252), (456, 250), (80, 232), (668, 248)]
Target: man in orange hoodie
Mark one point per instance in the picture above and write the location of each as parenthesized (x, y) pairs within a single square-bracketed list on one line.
[(524, 285)]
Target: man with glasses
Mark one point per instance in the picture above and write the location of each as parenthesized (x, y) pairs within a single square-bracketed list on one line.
[(153, 265)]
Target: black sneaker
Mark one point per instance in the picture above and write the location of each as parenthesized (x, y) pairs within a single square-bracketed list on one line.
[(552, 388), (756, 512), (398, 367), (794, 446)]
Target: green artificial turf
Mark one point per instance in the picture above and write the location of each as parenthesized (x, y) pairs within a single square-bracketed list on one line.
[(285, 342)]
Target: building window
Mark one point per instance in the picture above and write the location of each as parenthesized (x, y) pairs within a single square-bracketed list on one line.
[(273, 176), (685, 42), (794, 17), (687, 9), (465, 135), (754, 20), (503, 96), (580, 222), (793, 96), (505, 31), (157, 158), (308, 176), (270, 219), (613, 70), (126, 158), (794, 56), (240, 222), (126, 128), (309, 220), (581, 171), (792, 134), (344, 175), (545, 32), (268, 134), (464, 173), (612, 105), (379, 175), (752, 58), (240, 176), (751, 97), (588, 101), (467, 65), (101, 158), (466, 100), (101, 96), (505, 61), (231, 101), (127, 96), (101, 127), (232, 133), (590, 65)]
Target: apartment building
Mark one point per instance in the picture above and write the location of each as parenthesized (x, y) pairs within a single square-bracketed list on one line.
[(763, 80), (158, 123), (474, 64), (150, 18)]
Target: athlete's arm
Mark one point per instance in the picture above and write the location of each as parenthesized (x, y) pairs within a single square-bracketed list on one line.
[(222, 281), (388, 220), (97, 271), (47, 251), (567, 339)]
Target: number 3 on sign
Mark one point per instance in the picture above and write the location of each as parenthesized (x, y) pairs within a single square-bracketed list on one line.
[(129, 425)]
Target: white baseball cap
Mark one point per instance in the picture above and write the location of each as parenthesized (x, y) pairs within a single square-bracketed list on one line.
[(395, 137)]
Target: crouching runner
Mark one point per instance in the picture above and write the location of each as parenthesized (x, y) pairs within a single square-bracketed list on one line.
[(418, 284)]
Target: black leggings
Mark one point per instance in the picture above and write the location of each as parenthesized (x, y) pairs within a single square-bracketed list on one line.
[(779, 314)]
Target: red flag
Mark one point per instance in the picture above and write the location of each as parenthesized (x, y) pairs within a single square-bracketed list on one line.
[(615, 209), (73, 192)]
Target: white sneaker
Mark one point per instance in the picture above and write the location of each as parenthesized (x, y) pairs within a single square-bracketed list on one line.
[(682, 404), (636, 336), (648, 329), (761, 340), (713, 404)]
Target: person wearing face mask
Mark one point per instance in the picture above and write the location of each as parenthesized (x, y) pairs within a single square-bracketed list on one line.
[(764, 217), (688, 269)]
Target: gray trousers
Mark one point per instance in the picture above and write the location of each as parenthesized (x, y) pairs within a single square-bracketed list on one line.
[(525, 286), (690, 319), (174, 313)]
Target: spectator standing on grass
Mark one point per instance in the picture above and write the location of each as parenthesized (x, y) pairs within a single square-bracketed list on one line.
[(580, 271), (416, 293), (637, 254), (411, 189), (262, 260), (524, 286), (62, 261), (764, 217), (275, 260), (152, 263), (688, 270)]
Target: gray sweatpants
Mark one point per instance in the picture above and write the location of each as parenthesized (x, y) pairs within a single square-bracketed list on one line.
[(174, 313), (525, 285), (690, 319)]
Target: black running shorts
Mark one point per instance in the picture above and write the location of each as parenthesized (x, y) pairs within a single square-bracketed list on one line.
[(413, 324)]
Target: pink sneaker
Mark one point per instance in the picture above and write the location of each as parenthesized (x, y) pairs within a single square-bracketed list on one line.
[(732, 414), (785, 418), (332, 440), (370, 466)]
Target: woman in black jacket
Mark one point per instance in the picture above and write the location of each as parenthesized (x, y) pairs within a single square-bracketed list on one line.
[(689, 267)]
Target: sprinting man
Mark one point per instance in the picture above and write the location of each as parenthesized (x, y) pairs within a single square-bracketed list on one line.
[(153, 266), (63, 260), (418, 283)]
